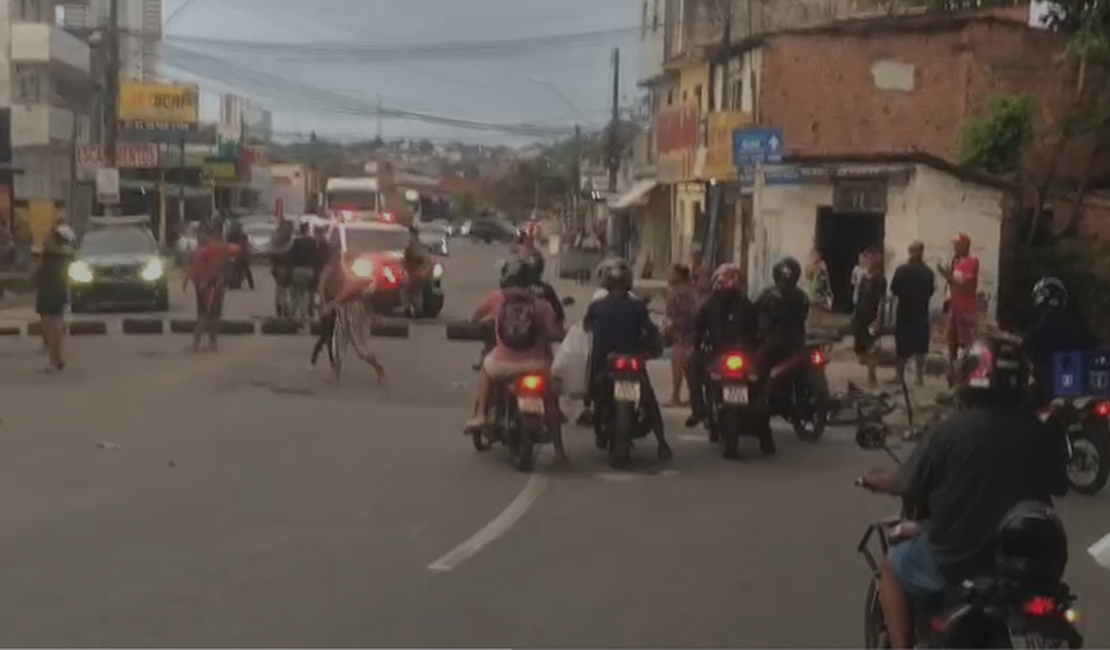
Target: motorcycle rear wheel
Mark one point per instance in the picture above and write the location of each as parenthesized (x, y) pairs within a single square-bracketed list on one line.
[(522, 445), (815, 391), (728, 431), (1085, 444), (620, 436)]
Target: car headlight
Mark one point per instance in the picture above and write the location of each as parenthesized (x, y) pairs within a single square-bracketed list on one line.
[(437, 271), (152, 271), (363, 268), (80, 272)]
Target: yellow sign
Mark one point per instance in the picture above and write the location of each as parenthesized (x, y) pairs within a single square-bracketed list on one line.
[(221, 172), (158, 107), (718, 145)]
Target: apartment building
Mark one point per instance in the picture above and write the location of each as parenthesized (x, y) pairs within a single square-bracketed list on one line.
[(141, 31), (45, 80)]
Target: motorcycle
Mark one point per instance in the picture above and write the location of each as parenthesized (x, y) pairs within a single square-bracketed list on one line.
[(621, 418), (516, 419), (799, 391), (730, 387), (1087, 436), (986, 611)]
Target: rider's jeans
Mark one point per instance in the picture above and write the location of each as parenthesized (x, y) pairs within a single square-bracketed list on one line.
[(302, 288), (912, 561)]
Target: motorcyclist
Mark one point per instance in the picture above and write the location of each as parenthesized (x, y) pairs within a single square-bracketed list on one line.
[(415, 263), (620, 324), (534, 267), (517, 350), (725, 321), (242, 261), (781, 312), (1059, 328), (985, 458)]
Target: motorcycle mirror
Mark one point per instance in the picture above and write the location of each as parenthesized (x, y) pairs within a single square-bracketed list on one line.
[(567, 301)]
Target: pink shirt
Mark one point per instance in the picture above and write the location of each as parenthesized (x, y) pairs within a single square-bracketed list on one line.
[(491, 307)]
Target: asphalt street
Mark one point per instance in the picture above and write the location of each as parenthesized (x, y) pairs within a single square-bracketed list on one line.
[(152, 497)]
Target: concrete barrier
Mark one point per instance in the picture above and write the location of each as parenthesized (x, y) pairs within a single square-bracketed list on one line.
[(182, 325), (34, 328), (143, 326), (11, 330), (280, 327), (465, 331)]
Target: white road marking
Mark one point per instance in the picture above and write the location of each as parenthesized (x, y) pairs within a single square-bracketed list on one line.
[(1100, 551), (500, 525)]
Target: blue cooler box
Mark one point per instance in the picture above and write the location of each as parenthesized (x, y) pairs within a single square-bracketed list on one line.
[(1069, 374)]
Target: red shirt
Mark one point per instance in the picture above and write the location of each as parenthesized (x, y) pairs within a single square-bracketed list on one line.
[(964, 290), (208, 263)]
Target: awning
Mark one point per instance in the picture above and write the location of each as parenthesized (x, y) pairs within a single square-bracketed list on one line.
[(635, 196)]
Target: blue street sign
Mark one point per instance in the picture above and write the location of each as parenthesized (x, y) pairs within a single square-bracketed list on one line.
[(755, 145)]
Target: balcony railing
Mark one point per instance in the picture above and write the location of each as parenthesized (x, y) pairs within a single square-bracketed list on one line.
[(44, 43)]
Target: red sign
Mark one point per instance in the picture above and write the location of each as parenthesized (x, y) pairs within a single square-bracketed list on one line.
[(129, 155), (677, 130)]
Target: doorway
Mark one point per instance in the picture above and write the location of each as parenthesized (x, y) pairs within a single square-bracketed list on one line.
[(841, 237)]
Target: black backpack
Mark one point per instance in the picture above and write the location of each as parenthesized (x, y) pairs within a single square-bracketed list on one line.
[(518, 324)]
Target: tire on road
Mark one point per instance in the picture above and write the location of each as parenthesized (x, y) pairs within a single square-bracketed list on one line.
[(34, 328), (464, 331), (182, 325), (236, 327), (390, 329), (10, 330), (143, 326), (280, 327), (432, 304), (88, 328)]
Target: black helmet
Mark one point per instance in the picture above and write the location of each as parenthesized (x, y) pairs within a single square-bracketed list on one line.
[(787, 271), (1031, 546), (616, 275), (994, 368), (514, 274), (534, 264), (1049, 294)]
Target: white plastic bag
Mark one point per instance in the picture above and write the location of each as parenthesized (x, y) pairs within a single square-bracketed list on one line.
[(572, 360)]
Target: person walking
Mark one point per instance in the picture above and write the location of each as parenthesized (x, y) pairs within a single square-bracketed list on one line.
[(867, 318), (682, 307), (962, 275), (207, 273), (51, 292), (818, 285), (912, 286)]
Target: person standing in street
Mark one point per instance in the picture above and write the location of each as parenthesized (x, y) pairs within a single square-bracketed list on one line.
[(682, 307), (913, 285), (207, 272), (868, 314), (962, 275), (51, 292), (858, 274)]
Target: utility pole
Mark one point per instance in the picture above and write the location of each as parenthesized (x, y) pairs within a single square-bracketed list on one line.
[(112, 74), (379, 118), (576, 178), (614, 122)]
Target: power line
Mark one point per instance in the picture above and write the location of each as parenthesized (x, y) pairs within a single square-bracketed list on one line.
[(205, 66)]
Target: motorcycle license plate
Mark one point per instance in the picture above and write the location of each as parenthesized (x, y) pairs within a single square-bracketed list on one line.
[(735, 394), (626, 391), (530, 405)]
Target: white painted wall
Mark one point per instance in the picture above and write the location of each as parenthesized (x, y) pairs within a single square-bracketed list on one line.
[(650, 53), (931, 207)]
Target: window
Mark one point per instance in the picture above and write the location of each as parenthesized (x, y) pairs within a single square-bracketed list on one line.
[(655, 17), (698, 96), (644, 20), (670, 97), (29, 86)]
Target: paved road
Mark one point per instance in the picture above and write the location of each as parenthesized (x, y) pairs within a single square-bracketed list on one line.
[(241, 502)]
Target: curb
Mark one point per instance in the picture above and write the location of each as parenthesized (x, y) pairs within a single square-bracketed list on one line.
[(10, 330), (280, 327), (143, 326), (397, 329)]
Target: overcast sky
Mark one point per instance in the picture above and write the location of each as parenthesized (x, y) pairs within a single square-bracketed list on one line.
[(497, 91)]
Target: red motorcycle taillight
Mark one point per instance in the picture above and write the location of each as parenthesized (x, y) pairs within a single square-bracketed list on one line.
[(622, 364), (1102, 410), (390, 276), (818, 358), (530, 384)]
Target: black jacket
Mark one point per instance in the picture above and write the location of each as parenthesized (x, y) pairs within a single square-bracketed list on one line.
[(726, 320), (782, 318)]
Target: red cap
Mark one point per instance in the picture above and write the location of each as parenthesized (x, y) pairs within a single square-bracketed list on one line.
[(961, 238)]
